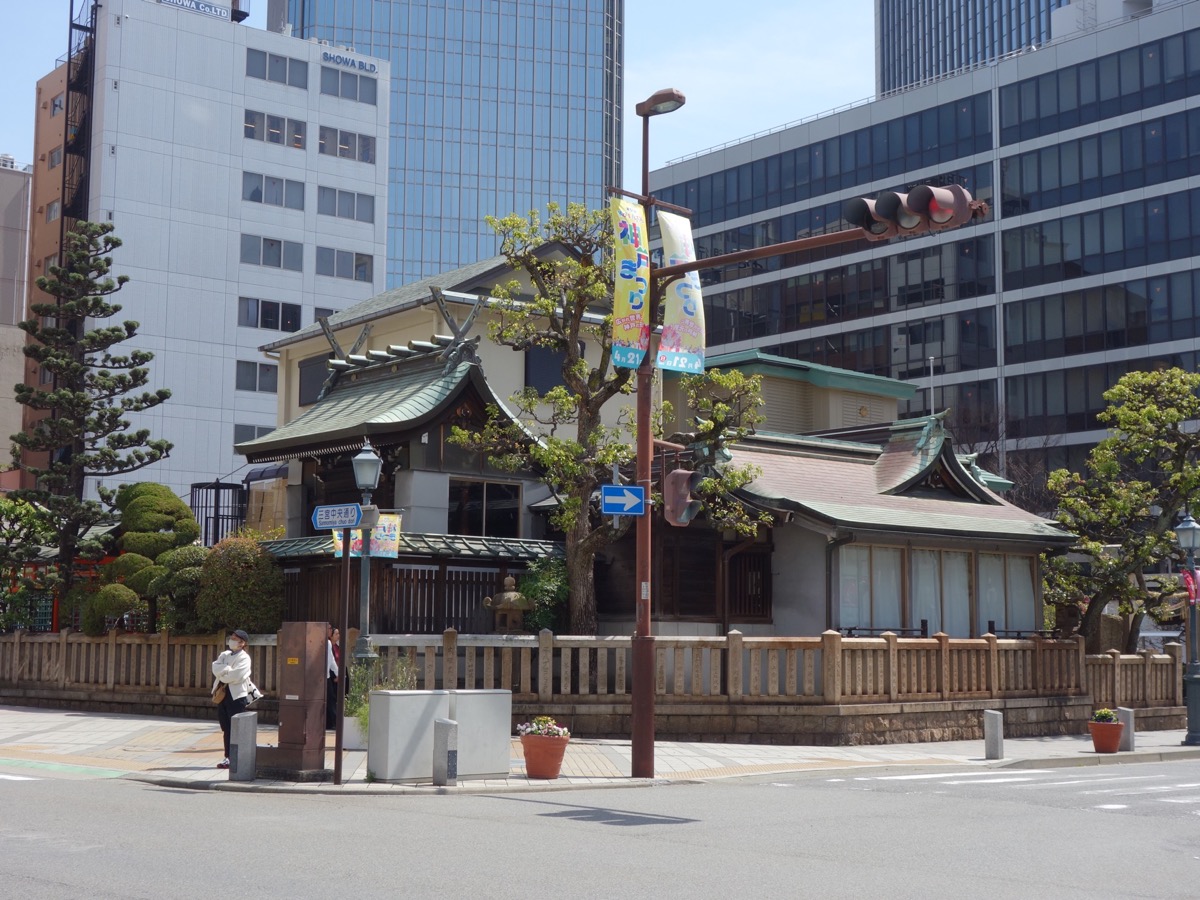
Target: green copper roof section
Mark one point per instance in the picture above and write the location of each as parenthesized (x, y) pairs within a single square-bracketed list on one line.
[(383, 398), (755, 362), (459, 546)]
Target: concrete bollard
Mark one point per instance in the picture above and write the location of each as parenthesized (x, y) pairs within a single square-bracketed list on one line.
[(1125, 717), (243, 746), (993, 734), (445, 752)]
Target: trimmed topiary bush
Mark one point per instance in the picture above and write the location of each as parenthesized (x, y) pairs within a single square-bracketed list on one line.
[(110, 601), (177, 584), (242, 587), (125, 567)]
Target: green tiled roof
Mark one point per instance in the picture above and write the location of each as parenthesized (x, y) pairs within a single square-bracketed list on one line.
[(478, 277), (455, 545), (383, 398), (755, 362)]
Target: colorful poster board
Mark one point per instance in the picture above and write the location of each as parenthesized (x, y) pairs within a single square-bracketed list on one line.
[(631, 295), (385, 538), (681, 348)]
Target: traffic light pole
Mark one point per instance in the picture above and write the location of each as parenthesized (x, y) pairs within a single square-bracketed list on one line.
[(642, 692)]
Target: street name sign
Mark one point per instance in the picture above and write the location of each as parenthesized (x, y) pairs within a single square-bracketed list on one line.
[(622, 500), (342, 515)]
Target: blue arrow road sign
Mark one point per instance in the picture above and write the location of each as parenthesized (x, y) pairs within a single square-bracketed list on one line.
[(619, 500), (343, 515)]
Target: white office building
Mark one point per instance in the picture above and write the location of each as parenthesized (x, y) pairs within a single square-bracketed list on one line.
[(246, 174)]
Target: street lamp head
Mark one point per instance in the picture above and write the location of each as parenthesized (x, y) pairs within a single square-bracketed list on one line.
[(1187, 533), (660, 102), (367, 466)]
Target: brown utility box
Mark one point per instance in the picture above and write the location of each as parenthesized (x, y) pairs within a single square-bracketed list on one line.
[(302, 671)]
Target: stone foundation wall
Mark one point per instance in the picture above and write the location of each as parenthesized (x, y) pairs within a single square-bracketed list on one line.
[(120, 702), (845, 725)]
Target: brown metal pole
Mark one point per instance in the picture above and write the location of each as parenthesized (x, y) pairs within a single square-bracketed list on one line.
[(343, 672), (643, 641)]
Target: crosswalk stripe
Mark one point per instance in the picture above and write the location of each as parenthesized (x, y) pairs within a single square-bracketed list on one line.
[(17, 778), (985, 776)]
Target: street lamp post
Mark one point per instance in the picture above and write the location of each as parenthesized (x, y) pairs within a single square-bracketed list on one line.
[(1188, 534), (367, 466), (657, 104)]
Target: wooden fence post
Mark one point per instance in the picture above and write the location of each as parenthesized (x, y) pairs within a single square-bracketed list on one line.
[(545, 677), (893, 665), (1147, 681), (1085, 689), (993, 665), (16, 662), (1115, 656), (1175, 651), (63, 649), (831, 666), (1038, 687), (164, 654), (111, 676), (733, 656), (943, 640), (450, 660)]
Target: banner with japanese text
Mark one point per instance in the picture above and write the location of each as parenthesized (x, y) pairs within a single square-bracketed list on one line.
[(385, 538), (631, 294), (681, 348)]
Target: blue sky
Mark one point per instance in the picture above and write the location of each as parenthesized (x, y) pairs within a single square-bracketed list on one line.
[(776, 62)]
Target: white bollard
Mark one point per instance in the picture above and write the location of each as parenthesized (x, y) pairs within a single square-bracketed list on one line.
[(993, 734), (243, 746), (1125, 717), (445, 752)]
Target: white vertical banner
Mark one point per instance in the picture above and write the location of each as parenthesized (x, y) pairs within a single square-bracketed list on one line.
[(682, 346)]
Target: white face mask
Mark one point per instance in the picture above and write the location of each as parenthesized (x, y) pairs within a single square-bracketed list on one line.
[(234, 644)]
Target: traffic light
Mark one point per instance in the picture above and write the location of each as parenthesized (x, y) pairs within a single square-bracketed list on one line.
[(679, 506), (924, 208)]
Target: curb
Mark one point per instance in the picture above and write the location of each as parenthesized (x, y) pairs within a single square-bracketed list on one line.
[(389, 790), (1102, 759)]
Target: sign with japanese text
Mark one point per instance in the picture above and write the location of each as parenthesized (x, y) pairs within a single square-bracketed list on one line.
[(631, 294), (385, 538), (681, 348)]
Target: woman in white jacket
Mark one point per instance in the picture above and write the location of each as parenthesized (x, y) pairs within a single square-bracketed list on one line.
[(232, 668)]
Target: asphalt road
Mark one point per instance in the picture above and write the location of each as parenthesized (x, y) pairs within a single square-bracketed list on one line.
[(797, 837)]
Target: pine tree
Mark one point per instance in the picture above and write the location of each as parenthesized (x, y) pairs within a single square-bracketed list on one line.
[(84, 429)]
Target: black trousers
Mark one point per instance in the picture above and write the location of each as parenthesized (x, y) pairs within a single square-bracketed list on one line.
[(331, 691), (226, 710)]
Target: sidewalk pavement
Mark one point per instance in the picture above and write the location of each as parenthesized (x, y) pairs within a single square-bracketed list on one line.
[(184, 753)]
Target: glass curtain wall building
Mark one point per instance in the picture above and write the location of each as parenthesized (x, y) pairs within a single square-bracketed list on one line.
[(919, 40), (1087, 267), (497, 106)]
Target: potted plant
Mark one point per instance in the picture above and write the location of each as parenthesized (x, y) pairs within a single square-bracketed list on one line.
[(543, 742), (1105, 729)]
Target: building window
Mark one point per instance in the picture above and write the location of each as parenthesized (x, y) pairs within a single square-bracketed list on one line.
[(348, 85), (262, 251), (253, 313), (345, 264), (272, 191), (280, 69), (345, 204), (58, 104), (55, 158), (313, 373), (260, 377), (346, 144), (259, 126), (484, 508), (53, 210), (243, 433)]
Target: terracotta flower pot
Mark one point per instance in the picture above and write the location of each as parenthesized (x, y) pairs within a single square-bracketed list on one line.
[(1106, 736), (543, 755)]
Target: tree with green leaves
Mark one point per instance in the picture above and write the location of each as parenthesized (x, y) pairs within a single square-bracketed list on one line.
[(1139, 481), (567, 303), (241, 586), (24, 531), (83, 430)]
